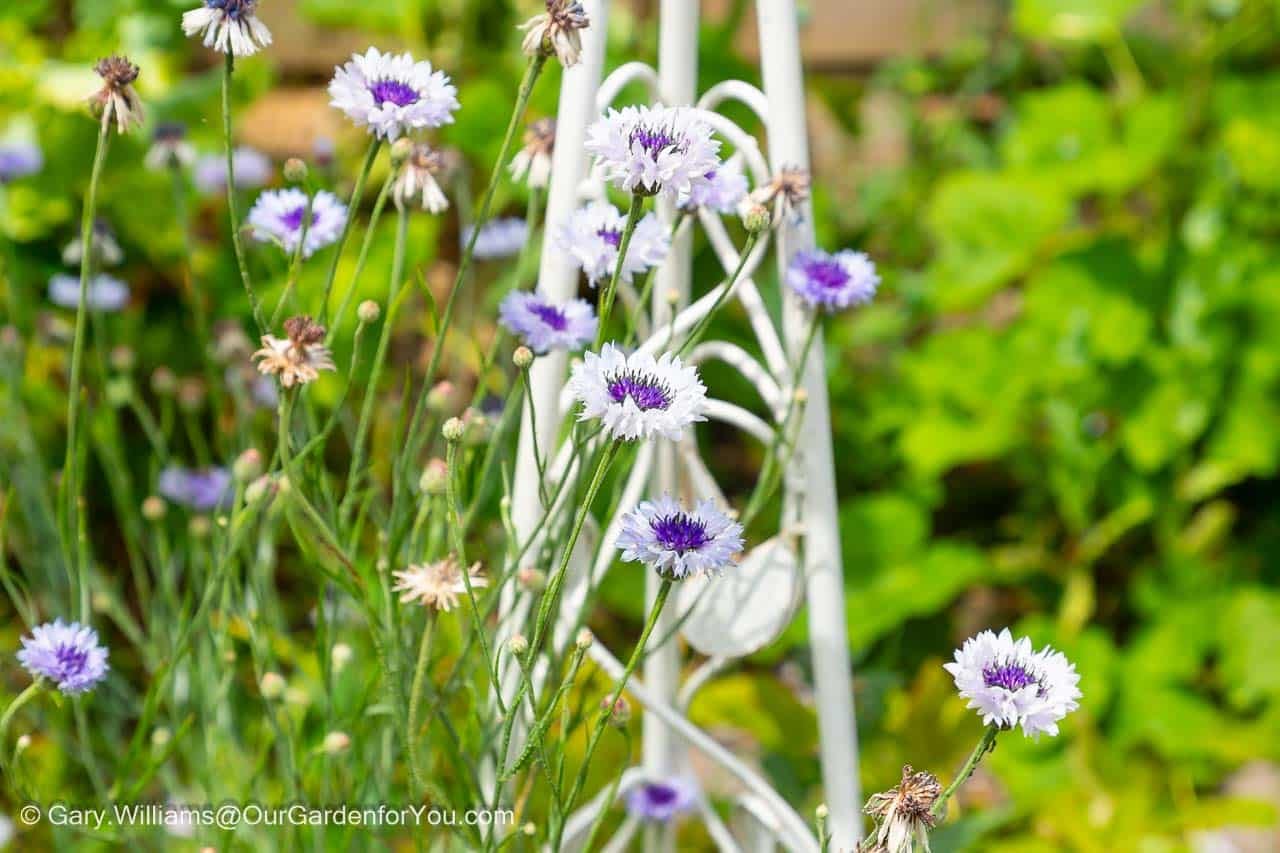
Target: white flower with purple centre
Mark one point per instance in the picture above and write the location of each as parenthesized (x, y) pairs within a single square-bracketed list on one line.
[(498, 238), (638, 396), (228, 26), (833, 282), (277, 217), (392, 95), (544, 325), (69, 655), (252, 167), (105, 293), (652, 150), (1011, 685), (593, 237), (661, 801), (723, 190), (678, 543)]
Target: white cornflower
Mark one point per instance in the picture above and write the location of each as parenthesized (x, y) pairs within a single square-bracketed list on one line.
[(532, 163), (106, 249), (498, 238), (116, 99), (253, 169), (298, 358), (555, 31), (1011, 685), (105, 293), (418, 178), (437, 585), (276, 217), (392, 95), (544, 325), (228, 26), (593, 235), (723, 191), (652, 150), (170, 148), (903, 814), (638, 396), (676, 542)]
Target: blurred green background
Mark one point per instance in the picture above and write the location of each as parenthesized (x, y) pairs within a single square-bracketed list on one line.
[(1061, 414)]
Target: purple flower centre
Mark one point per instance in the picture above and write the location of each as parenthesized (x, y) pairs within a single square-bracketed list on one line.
[(682, 533), (71, 660), (611, 236), (234, 9), (550, 315), (661, 795), (1010, 676), (645, 391), (825, 273), (293, 219), (654, 140), (394, 91)]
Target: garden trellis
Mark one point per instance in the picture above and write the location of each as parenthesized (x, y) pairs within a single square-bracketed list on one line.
[(803, 560)]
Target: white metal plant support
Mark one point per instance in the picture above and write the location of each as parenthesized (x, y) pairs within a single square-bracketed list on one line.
[(747, 610)]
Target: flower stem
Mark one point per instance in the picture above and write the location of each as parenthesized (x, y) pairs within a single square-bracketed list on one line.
[(602, 723), (356, 192), (415, 695), (700, 329), (606, 298), (232, 210), (295, 263), (70, 487), (370, 232), (22, 698), (985, 745)]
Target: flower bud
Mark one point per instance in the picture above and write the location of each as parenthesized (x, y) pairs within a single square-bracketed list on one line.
[(401, 150), (368, 311), (295, 171), (161, 737), (453, 429), (23, 743), (584, 639), (248, 465), (153, 508), (122, 358), (756, 217), (821, 812), (530, 829), (619, 714), (440, 397), (336, 743), (163, 381), (340, 656), (522, 357), (191, 394), (199, 526), (259, 489), (119, 391), (435, 477), (272, 685), (532, 579), (673, 297), (518, 645)]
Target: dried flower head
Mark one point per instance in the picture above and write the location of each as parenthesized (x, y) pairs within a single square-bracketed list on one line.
[(903, 814), (788, 190), (116, 98), (298, 358), (437, 585), (418, 177), (532, 163), (555, 32)]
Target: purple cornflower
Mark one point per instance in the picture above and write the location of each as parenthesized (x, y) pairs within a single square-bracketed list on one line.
[(662, 801), (68, 655), (200, 489), (833, 282), (545, 326)]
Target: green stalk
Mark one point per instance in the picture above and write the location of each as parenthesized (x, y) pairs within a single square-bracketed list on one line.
[(356, 192), (70, 488), (606, 298), (295, 263), (22, 698), (232, 209), (415, 696), (701, 327), (603, 722), (985, 745), (369, 234)]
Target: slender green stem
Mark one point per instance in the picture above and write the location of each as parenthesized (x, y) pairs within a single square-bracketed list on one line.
[(232, 207), (607, 296), (369, 234), (613, 791), (985, 745), (356, 192), (606, 714), (295, 263), (464, 263), (22, 698), (415, 696), (70, 487), (701, 327)]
